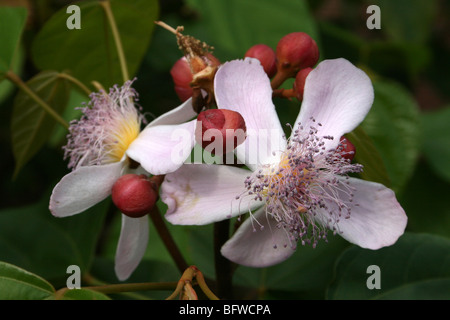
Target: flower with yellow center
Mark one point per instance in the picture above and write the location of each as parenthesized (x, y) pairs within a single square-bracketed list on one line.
[(106, 143), (298, 188)]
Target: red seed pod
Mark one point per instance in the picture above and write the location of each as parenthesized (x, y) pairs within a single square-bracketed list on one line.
[(184, 71), (182, 77), (220, 131), (296, 51), (265, 55), (346, 149), (299, 83), (134, 195)]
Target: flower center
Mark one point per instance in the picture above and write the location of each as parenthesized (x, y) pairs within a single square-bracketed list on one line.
[(305, 192), (109, 124)]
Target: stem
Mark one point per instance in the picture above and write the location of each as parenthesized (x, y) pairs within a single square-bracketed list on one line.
[(280, 77), (223, 266), (76, 82), (112, 23), (166, 237), (202, 284), (167, 27), (131, 287), (15, 79), (284, 93)]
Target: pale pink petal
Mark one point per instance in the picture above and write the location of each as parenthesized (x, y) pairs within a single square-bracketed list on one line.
[(180, 114), (376, 220), (254, 246), (199, 194), (338, 96), (243, 86), (163, 149), (83, 188), (132, 245)]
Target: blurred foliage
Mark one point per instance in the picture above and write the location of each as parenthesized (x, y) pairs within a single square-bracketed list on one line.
[(404, 141)]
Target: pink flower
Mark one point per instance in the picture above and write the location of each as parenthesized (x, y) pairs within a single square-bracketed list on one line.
[(106, 143), (298, 188)]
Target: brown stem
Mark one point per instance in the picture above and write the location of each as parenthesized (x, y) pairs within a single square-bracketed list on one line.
[(284, 93), (223, 266), (167, 239), (281, 76)]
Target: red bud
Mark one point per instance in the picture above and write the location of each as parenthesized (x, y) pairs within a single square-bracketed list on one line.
[(226, 125), (299, 83), (266, 55), (134, 195), (182, 77), (346, 149), (183, 72), (296, 51)]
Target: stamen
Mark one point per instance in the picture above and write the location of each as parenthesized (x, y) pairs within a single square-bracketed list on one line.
[(110, 122), (305, 192)]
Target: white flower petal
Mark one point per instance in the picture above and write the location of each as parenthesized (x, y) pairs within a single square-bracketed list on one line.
[(83, 188), (132, 245), (253, 247), (338, 96), (162, 149), (180, 114), (243, 86), (199, 194), (376, 220)]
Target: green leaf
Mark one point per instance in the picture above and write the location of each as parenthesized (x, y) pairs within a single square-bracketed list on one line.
[(306, 274), (90, 53), (367, 155), (407, 20), (6, 87), (33, 239), (19, 284), (31, 125), (436, 139), (84, 294), (416, 267), (393, 124), (233, 26), (12, 23), (425, 200)]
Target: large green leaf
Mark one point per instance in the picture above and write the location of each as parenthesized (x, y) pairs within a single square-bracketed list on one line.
[(31, 125), (425, 200), (416, 267), (12, 23), (436, 141), (84, 294), (33, 239), (233, 26), (19, 284), (393, 124), (306, 274), (407, 20), (90, 53)]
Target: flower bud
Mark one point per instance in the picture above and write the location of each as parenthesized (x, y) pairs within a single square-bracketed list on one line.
[(185, 71), (296, 51), (346, 149), (220, 131), (299, 83), (182, 77), (265, 55), (134, 195)]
